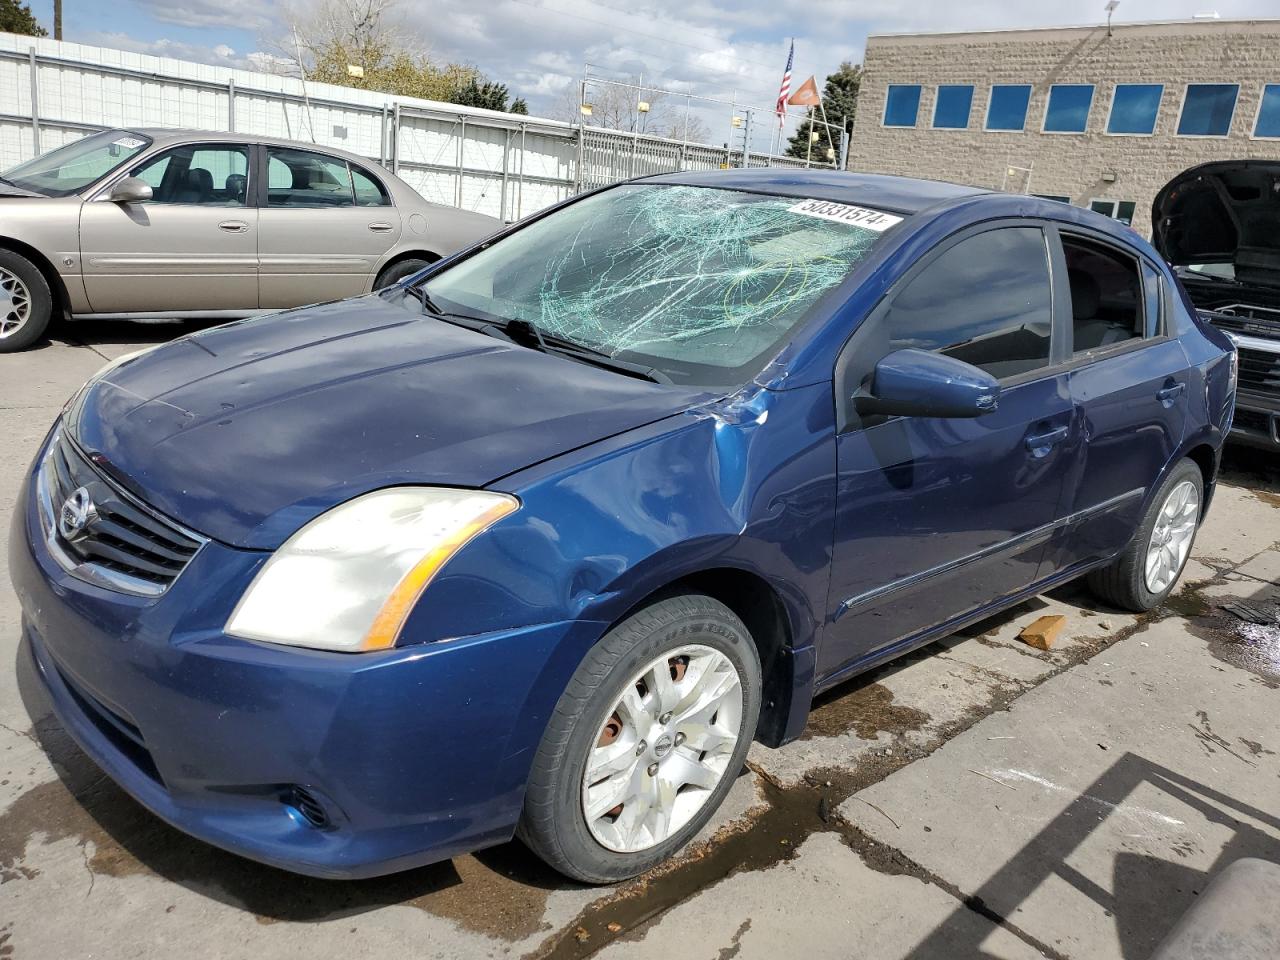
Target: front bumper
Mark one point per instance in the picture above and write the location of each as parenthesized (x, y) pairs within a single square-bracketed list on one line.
[(1257, 420), (413, 755)]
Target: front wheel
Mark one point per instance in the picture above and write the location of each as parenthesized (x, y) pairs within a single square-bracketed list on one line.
[(646, 741), (1141, 577), (25, 302)]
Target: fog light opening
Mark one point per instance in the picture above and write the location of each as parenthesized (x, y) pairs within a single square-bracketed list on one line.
[(305, 808)]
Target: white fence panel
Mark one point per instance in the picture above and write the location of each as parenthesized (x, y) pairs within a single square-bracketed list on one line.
[(500, 164)]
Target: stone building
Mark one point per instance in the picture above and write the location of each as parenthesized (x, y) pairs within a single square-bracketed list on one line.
[(1095, 118)]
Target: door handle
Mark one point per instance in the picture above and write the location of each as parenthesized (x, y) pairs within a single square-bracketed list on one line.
[(380, 227), (1169, 393), (233, 226), (1039, 444)]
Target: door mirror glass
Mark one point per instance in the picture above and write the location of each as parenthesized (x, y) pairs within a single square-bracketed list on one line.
[(917, 383), (130, 190)]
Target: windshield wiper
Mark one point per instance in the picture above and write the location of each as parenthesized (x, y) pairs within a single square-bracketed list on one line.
[(461, 319), (549, 343)]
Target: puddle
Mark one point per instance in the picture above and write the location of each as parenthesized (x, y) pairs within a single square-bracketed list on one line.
[(773, 836), (868, 711)]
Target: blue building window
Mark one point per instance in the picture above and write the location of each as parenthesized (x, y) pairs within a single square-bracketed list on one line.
[(902, 105), (951, 110), (1208, 109), (1268, 124), (1068, 110), (1007, 109), (1134, 108)]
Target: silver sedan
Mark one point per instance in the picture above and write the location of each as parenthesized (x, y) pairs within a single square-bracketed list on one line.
[(178, 223)]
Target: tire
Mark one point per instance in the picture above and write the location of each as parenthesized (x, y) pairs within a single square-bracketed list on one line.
[(398, 271), (26, 303), (1125, 583), (589, 717)]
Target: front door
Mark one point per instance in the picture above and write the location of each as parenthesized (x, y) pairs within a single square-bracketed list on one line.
[(192, 246), (936, 518), (324, 226), (1128, 379)]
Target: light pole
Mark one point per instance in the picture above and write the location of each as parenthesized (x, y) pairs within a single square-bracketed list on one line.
[(1111, 8)]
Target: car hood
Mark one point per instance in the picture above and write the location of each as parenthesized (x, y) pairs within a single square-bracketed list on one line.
[(247, 431), (1223, 212)]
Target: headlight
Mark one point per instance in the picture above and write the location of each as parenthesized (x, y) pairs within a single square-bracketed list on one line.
[(348, 579)]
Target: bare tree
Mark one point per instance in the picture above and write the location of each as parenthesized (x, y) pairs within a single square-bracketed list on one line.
[(616, 106)]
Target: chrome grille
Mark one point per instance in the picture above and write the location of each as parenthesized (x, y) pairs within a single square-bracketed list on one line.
[(1259, 371), (102, 534)]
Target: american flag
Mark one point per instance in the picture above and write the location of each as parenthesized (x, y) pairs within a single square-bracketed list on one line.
[(784, 91)]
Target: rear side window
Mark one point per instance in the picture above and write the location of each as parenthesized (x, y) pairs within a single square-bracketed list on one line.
[(298, 178), (1106, 296), (369, 190), (985, 301)]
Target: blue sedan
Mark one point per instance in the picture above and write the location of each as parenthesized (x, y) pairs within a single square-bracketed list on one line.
[(538, 541)]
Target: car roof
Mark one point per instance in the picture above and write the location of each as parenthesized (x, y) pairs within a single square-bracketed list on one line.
[(905, 195), (165, 136)]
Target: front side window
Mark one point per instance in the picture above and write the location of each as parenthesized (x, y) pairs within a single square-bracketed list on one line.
[(1208, 109), (902, 105), (1106, 295), (198, 174), (73, 167), (702, 284), (1007, 109), (985, 301), (1268, 123), (951, 111), (1068, 109), (1134, 108), (299, 178)]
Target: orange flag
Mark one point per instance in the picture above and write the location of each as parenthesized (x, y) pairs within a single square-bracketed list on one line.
[(806, 95)]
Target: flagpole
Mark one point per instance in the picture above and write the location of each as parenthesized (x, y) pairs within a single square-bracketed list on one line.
[(823, 107), (808, 155)]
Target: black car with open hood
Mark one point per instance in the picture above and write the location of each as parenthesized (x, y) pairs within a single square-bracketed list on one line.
[(1218, 224)]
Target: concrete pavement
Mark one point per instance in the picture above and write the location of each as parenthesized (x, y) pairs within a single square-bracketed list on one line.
[(979, 798)]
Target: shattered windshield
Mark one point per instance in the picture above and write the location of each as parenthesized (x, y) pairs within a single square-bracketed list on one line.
[(702, 284)]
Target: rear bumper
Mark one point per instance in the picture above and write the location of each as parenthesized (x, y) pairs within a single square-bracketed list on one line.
[(413, 755)]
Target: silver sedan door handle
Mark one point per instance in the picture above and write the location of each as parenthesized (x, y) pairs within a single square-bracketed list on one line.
[(380, 227), (233, 226)]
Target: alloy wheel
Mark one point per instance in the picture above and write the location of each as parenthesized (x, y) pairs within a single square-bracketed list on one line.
[(1171, 536), (15, 304), (662, 749)]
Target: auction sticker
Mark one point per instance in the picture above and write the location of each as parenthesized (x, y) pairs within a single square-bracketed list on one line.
[(129, 143), (846, 213)]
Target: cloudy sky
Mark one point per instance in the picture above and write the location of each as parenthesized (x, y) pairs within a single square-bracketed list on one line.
[(717, 48)]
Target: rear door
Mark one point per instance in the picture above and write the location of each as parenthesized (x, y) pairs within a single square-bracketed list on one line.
[(323, 227), (192, 246), (1128, 380), (936, 517)]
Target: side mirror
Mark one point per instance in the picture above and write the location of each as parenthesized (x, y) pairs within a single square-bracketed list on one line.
[(917, 383), (130, 190)]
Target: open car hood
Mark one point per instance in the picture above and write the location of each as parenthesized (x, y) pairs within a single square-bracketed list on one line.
[(1225, 212)]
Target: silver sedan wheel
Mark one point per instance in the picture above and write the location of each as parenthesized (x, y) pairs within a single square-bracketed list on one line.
[(662, 749), (15, 304), (1171, 537)]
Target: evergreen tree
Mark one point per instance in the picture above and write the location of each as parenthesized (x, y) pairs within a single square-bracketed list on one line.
[(16, 17), (840, 97), (478, 92)]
